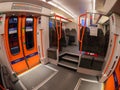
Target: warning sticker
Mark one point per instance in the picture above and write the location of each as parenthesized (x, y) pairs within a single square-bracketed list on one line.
[(93, 31)]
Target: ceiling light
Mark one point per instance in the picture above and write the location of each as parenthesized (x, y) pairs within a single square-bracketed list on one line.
[(103, 19), (43, 0), (94, 1), (61, 7)]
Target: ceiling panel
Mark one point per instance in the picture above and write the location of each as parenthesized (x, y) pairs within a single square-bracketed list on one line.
[(100, 5), (77, 7)]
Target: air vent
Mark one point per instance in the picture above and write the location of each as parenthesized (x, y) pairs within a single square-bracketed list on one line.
[(26, 6)]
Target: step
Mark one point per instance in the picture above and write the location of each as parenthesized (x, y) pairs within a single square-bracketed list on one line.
[(69, 53), (68, 64), (72, 54), (71, 58)]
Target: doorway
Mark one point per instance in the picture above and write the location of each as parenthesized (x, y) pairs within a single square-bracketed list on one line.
[(21, 42)]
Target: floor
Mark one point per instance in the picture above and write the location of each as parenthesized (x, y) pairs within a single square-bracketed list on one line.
[(63, 79), (38, 76), (85, 85), (71, 48)]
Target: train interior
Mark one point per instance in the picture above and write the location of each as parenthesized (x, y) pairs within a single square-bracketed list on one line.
[(59, 45)]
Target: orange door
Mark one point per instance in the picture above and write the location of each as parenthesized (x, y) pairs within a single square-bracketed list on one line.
[(13, 44), (21, 42), (117, 71), (109, 84), (29, 37)]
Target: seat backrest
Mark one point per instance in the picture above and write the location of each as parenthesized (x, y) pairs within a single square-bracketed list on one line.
[(53, 37), (73, 32), (93, 44), (67, 31), (85, 38)]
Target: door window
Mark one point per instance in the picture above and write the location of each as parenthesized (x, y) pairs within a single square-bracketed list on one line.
[(13, 35), (29, 38)]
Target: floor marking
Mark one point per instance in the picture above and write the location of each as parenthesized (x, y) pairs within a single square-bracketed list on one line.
[(29, 70), (77, 85), (88, 80), (102, 88), (24, 88), (51, 68), (46, 80), (42, 83)]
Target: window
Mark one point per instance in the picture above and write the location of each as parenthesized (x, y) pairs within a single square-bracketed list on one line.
[(29, 32), (13, 35)]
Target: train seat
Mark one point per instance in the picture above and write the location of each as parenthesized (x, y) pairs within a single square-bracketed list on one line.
[(67, 33), (72, 36), (63, 40), (53, 37), (93, 44)]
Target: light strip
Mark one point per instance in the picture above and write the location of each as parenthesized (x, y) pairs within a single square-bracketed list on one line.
[(43, 0), (94, 1), (103, 19), (61, 7)]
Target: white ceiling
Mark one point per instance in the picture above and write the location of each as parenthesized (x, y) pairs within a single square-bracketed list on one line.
[(77, 7), (100, 5)]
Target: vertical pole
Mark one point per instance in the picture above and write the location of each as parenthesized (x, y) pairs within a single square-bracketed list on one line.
[(83, 33), (81, 38), (79, 32), (59, 32)]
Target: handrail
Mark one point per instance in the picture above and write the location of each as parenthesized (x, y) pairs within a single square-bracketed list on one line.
[(62, 17), (80, 39), (59, 32)]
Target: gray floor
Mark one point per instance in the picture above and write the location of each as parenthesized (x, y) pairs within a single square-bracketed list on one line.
[(65, 79), (85, 85), (36, 76), (71, 49)]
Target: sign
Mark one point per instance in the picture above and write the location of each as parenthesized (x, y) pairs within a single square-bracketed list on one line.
[(93, 31)]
